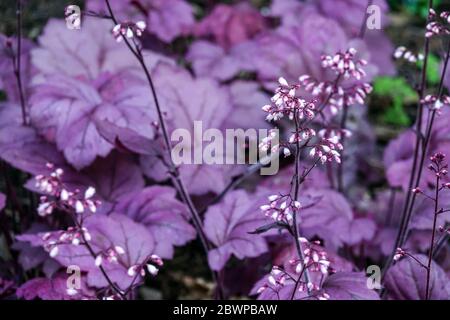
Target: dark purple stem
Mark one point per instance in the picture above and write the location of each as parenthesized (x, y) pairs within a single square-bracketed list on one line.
[(18, 62), (433, 234)]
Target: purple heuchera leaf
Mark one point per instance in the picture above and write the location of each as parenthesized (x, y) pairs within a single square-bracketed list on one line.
[(125, 139), (87, 53), (31, 256), (283, 52), (247, 100), (112, 178), (348, 286), (21, 147), (211, 60), (230, 25), (66, 110), (398, 156), (165, 217), (349, 15), (317, 179), (53, 289), (329, 217), (169, 19), (406, 280), (185, 100), (357, 230), (227, 226)]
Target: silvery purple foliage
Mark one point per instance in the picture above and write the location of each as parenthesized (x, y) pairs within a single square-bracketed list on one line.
[(86, 128), (228, 226), (405, 281)]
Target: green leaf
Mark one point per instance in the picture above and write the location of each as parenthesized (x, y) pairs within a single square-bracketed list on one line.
[(400, 93), (394, 86), (417, 7), (396, 114), (433, 69)]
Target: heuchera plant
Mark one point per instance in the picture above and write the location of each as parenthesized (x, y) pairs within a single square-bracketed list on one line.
[(92, 201)]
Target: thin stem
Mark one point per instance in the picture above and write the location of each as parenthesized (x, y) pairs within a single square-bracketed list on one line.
[(172, 168), (17, 62), (417, 260), (343, 126), (296, 194), (433, 233)]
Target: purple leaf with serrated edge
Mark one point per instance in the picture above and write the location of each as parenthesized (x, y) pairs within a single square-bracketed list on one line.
[(328, 217), (210, 60), (66, 110), (281, 182), (348, 286), (247, 100), (228, 224), (406, 280), (357, 230), (169, 19), (165, 217), (87, 53), (21, 147), (125, 139), (230, 25), (31, 256), (399, 155), (349, 15), (54, 288), (283, 52), (113, 177), (107, 232), (186, 100)]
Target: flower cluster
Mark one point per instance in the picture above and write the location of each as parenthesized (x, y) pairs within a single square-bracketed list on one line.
[(399, 253), (438, 25), (317, 264), (315, 260), (327, 149), (404, 53), (281, 208), (286, 103), (345, 64), (57, 196), (338, 96), (438, 165), (73, 235), (151, 264), (111, 255), (434, 103), (128, 30)]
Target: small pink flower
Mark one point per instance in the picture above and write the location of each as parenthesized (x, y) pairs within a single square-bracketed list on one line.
[(128, 30)]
